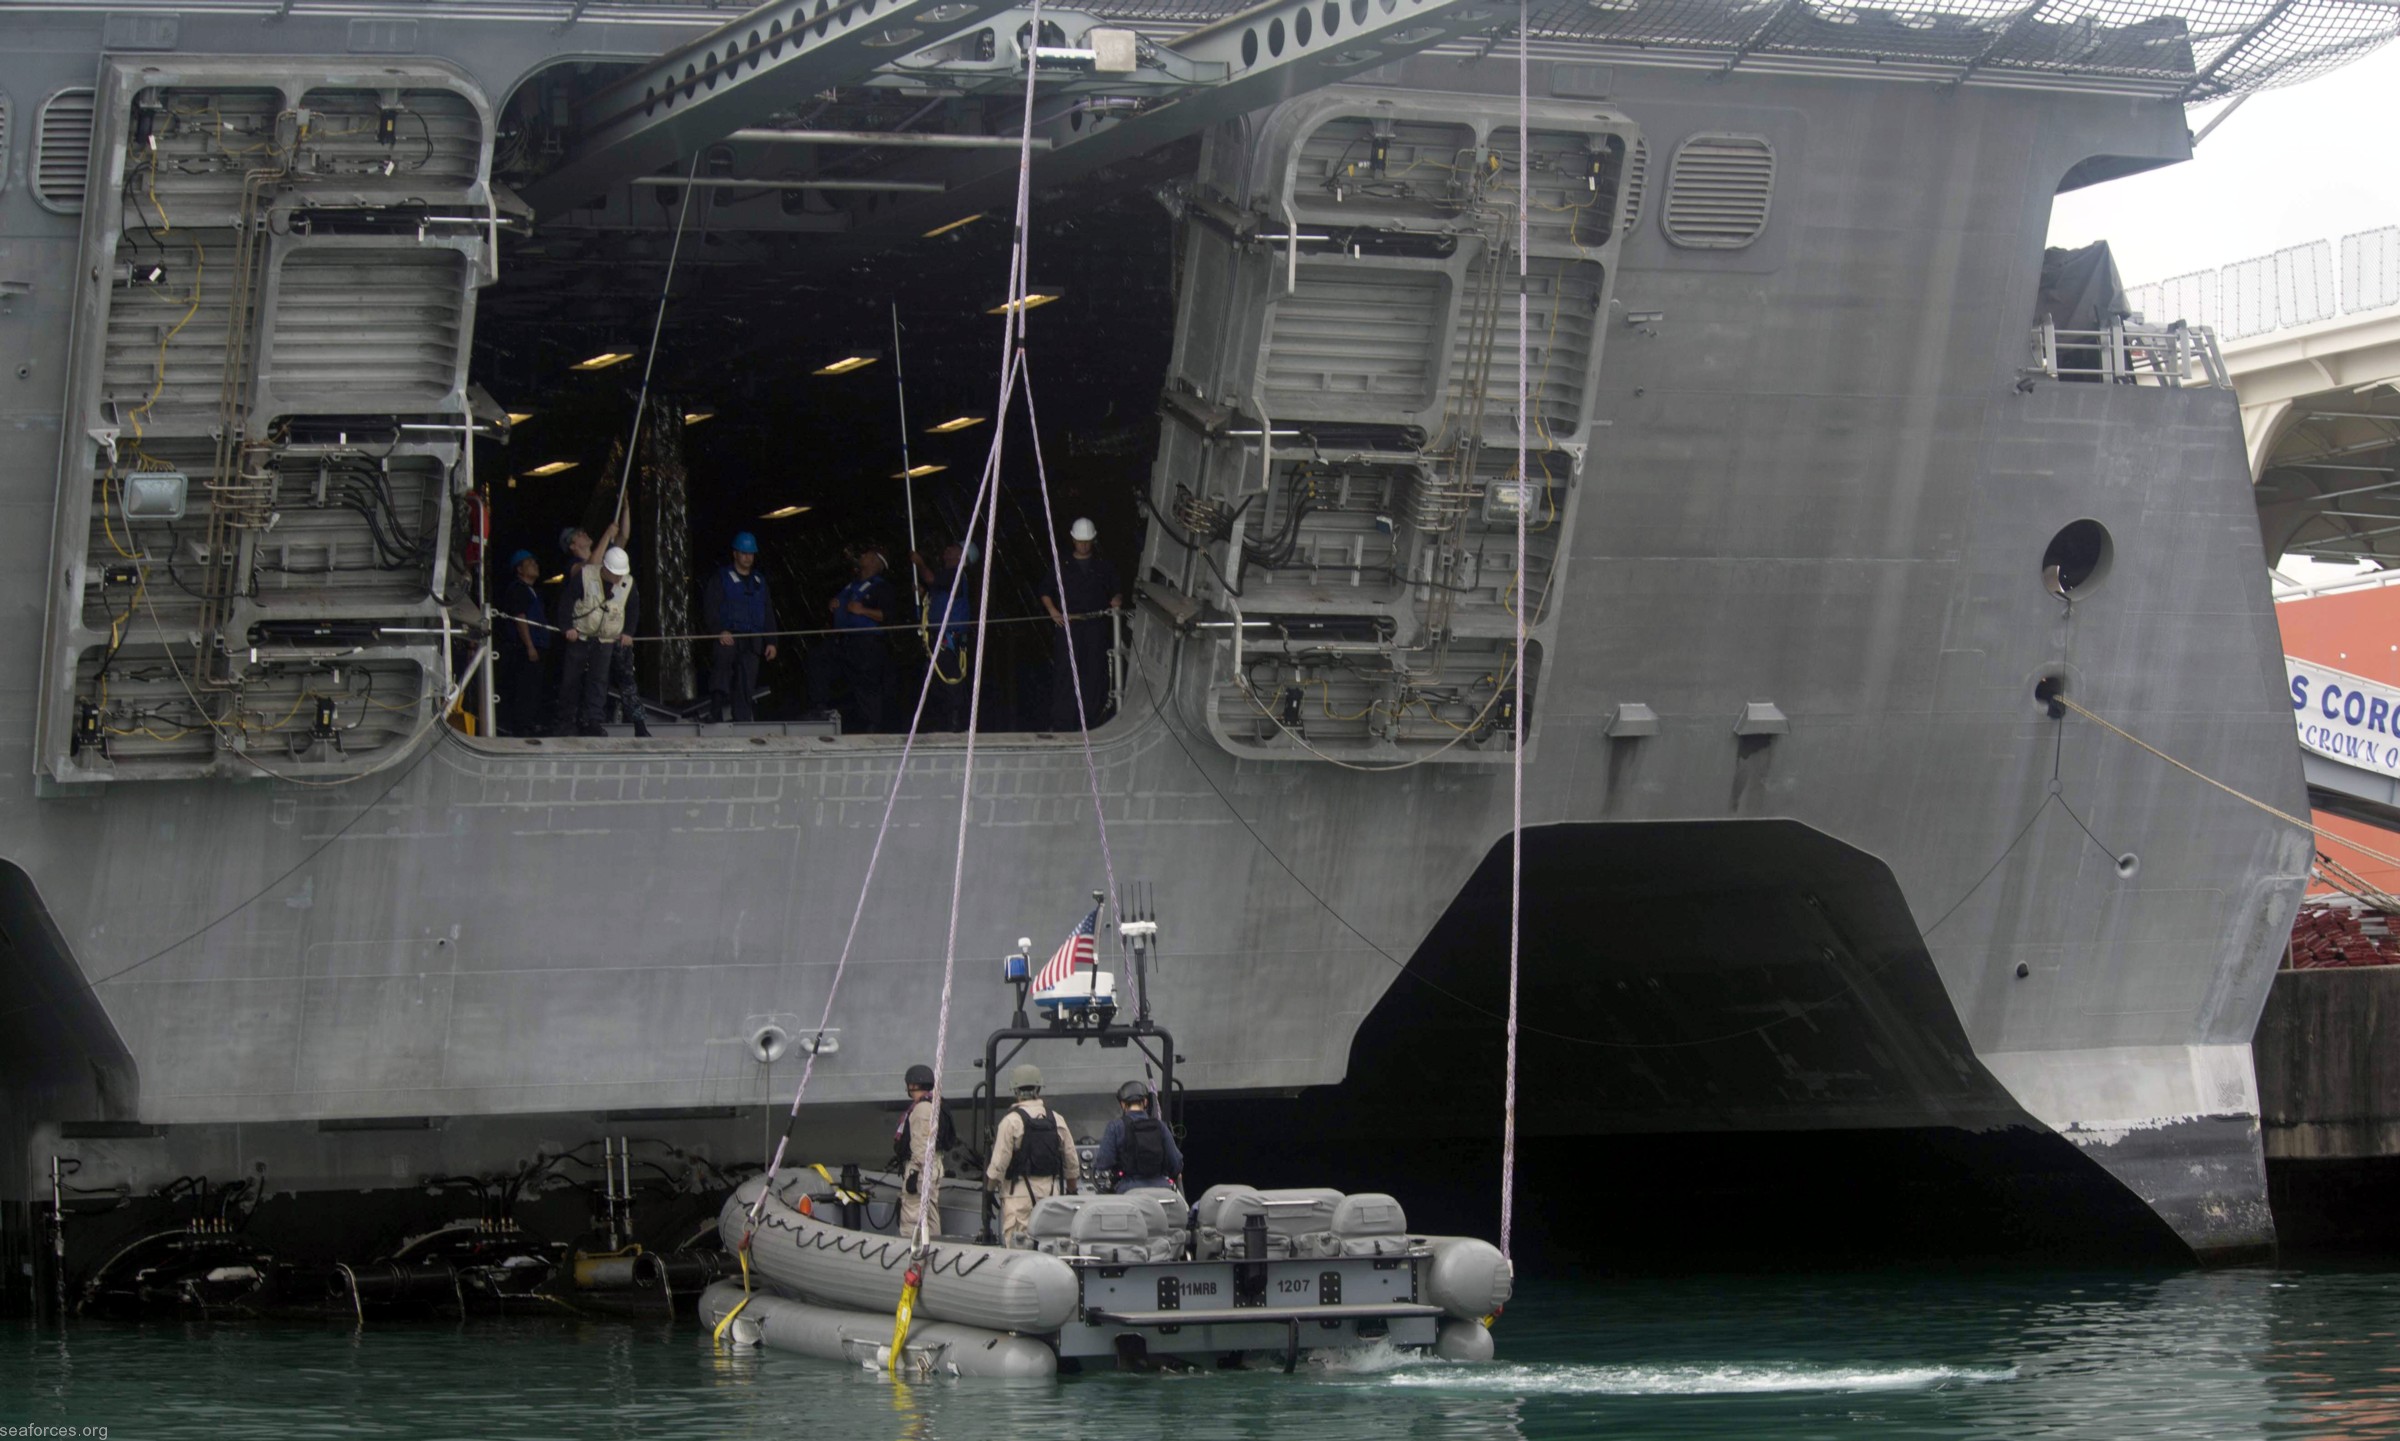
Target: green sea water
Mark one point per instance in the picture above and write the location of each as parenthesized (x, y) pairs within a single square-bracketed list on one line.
[(2300, 1352)]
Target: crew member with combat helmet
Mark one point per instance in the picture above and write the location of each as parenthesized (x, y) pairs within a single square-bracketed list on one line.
[(922, 1126), (1137, 1151), (1033, 1155)]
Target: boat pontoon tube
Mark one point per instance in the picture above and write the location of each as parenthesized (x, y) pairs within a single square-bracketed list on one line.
[(972, 1285)]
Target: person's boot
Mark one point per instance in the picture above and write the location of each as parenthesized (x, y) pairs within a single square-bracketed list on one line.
[(641, 731)]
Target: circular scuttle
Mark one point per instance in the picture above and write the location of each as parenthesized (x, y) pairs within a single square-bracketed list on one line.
[(2077, 559)]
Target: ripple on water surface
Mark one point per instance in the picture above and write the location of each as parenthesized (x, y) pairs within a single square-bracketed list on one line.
[(1728, 1379), (1994, 1357)]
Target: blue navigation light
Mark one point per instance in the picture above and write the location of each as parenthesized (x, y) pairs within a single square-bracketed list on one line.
[(1019, 969)]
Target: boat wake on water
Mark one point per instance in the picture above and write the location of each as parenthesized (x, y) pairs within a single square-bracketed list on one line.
[(1701, 1379)]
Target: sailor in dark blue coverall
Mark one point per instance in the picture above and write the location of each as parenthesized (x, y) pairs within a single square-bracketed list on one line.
[(858, 656), (738, 608), (521, 637), (949, 611), (1092, 589)]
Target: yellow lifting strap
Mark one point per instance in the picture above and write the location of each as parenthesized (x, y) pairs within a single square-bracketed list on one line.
[(717, 1337), (903, 1314)]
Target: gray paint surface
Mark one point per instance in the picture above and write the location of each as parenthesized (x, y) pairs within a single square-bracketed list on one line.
[(1817, 486)]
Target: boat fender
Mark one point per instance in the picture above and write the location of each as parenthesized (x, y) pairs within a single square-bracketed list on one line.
[(1463, 1341), (1469, 1278)]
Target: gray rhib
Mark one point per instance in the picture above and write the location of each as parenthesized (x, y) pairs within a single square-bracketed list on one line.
[(1242, 1275)]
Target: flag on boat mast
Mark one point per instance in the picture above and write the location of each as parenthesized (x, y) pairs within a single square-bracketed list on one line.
[(1079, 949)]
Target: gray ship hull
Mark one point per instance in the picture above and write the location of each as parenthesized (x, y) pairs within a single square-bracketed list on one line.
[(1810, 480)]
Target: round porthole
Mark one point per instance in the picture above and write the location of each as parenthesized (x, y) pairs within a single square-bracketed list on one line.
[(2077, 559)]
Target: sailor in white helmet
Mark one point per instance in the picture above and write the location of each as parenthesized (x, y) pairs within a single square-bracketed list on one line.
[(577, 658), (1083, 630), (597, 622)]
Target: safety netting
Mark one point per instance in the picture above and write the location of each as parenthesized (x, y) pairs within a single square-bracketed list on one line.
[(2196, 49)]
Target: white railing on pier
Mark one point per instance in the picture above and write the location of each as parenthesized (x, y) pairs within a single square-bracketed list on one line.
[(2297, 285)]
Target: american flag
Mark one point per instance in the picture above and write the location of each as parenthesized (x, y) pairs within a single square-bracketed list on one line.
[(1079, 949)]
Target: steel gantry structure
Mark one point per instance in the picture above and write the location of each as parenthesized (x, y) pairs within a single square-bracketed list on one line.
[(1106, 94)]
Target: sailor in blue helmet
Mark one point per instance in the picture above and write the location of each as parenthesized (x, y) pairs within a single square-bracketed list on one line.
[(519, 640), (739, 609)]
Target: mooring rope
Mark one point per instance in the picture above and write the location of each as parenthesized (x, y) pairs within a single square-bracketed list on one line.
[(1058, 574), (1012, 332), (987, 490), (1516, 758), (2249, 800)]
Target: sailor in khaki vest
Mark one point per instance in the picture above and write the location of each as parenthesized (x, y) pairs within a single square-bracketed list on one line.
[(595, 623), (925, 1124), (1033, 1155)]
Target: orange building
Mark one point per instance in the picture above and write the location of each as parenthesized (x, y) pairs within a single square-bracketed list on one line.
[(2357, 631)]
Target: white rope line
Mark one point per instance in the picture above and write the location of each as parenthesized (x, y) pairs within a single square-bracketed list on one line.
[(1012, 332), (641, 404), (1516, 760), (1058, 574), (985, 491), (506, 620)]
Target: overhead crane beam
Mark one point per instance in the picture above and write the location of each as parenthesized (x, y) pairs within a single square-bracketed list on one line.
[(766, 61), (1266, 54)]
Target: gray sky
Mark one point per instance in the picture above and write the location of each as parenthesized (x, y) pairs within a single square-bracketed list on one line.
[(2308, 162), (2303, 163)]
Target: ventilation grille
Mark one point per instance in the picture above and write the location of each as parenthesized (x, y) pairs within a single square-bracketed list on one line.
[(1637, 184), (1717, 191), (1354, 336), (1565, 303), (352, 322), (62, 150)]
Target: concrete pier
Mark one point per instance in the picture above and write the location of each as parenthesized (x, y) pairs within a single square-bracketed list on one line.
[(2328, 1055)]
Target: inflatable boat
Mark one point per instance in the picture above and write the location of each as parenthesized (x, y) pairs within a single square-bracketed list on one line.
[(1242, 1277)]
